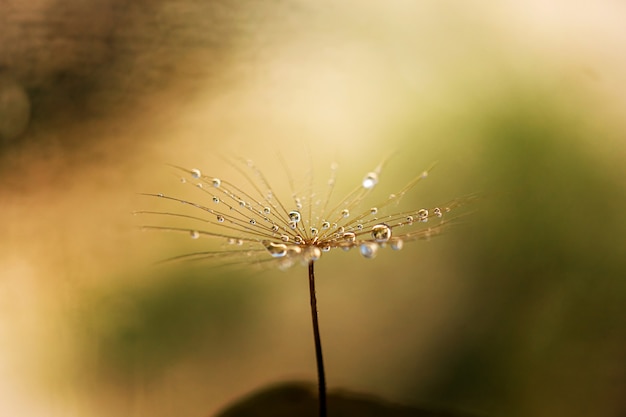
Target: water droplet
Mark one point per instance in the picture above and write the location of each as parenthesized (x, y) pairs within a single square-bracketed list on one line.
[(275, 228), (424, 174), (298, 204), (220, 218), (295, 216), (392, 196), (381, 232), (252, 222), (196, 173), (314, 231), (277, 250), (409, 219), (368, 249), (397, 244), (345, 213), (160, 195), (284, 238), (216, 199), (266, 210), (199, 185), (359, 226), (341, 229), (349, 237), (242, 203), (298, 240), (216, 182), (325, 226), (312, 253), (183, 180), (422, 215), (293, 225), (370, 180), (194, 234), (373, 210), (437, 212), (326, 248)]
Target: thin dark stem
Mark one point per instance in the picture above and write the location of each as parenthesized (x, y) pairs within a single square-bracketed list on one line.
[(321, 378)]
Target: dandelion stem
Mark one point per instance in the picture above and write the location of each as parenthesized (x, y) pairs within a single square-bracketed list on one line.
[(321, 378)]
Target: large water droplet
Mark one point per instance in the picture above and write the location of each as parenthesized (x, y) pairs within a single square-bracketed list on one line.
[(349, 237), (325, 225), (284, 238), (216, 182), (295, 216), (194, 234), (381, 232), (298, 240), (277, 250), (370, 180), (314, 231), (422, 215), (437, 212), (345, 213), (397, 244), (312, 253), (409, 219), (195, 173), (293, 224), (368, 249)]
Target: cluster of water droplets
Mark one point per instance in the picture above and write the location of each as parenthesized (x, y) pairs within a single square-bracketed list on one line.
[(308, 227)]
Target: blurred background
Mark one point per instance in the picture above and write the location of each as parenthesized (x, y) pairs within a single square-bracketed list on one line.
[(518, 311)]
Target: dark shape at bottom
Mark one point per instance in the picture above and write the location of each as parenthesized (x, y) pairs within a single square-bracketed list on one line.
[(291, 399)]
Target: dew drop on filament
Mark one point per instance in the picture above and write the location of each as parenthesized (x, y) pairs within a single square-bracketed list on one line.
[(325, 226), (345, 213), (194, 234), (216, 199), (294, 216), (277, 250), (381, 232), (397, 244), (373, 210), (368, 249), (216, 182), (312, 253), (349, 237), (220, 218), (437, 212), (195, 173), (370, 180)]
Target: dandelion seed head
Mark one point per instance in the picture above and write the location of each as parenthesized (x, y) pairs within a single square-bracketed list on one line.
[(312, 221)]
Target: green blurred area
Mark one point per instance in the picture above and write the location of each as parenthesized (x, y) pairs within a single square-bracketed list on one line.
[(139, 330)]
